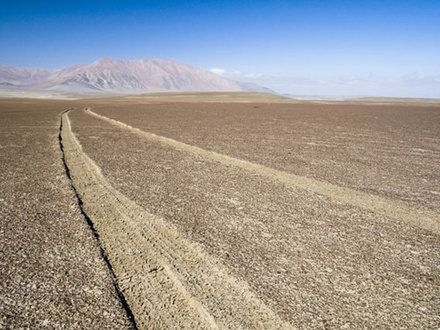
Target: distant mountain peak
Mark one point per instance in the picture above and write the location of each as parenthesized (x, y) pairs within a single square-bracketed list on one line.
[(102, 61), (107, 75)]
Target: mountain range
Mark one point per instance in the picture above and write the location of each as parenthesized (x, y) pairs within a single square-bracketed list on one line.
[(110, 76)]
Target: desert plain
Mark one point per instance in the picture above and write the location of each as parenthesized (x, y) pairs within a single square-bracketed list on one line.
[(219, 210)]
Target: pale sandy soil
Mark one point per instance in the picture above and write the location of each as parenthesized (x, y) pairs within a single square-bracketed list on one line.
[(168, 281), (52, 274), (217, 214), (388, 150), (314, 261), (207, 97)]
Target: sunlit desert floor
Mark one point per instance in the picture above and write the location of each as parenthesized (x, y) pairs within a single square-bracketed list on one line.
[(219, 210)]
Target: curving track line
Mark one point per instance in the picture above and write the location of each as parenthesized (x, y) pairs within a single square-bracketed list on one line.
[(168, 281), (420, 217)]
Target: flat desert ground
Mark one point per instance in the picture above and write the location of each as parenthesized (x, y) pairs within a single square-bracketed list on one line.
[(219, 211)]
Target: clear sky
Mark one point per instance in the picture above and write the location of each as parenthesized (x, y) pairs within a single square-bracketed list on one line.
[(285, 44)]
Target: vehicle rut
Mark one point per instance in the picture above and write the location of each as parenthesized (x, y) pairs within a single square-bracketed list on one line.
[(419, 217), (167, 280)]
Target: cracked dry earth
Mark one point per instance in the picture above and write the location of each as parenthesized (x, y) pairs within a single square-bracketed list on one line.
[(241, 215)]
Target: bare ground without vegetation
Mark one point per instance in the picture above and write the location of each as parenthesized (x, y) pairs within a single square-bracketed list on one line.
[(220, 210), (52, 272)]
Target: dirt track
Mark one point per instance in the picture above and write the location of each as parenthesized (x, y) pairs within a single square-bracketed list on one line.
[(385, 150), (315, 260), (423, 218), (221, 214), (51, 272), (167, 280)]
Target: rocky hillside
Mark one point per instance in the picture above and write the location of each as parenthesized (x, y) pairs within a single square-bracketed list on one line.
[(117, 76)]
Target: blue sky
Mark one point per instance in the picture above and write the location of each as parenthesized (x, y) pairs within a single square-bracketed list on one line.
[(302, 47)]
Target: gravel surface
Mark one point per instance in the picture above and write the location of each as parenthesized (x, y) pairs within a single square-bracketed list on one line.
[(168, 281), (51, 272), (199, 239), (316, 262), (389, 150)]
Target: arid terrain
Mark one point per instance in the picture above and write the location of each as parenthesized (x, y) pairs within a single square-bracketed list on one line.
[(107, 76), (230, 210), (52, 272)]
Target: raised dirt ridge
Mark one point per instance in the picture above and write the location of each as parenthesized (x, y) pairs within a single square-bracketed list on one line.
[(167, 280), (423, 218)]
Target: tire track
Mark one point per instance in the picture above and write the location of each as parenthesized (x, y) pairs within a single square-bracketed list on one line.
[(168, 281), (420, 217), (89, 222)]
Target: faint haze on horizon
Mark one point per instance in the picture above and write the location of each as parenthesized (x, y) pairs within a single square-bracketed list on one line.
[(381, 48)]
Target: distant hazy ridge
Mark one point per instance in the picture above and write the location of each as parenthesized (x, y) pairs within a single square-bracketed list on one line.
[(117, 76)]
